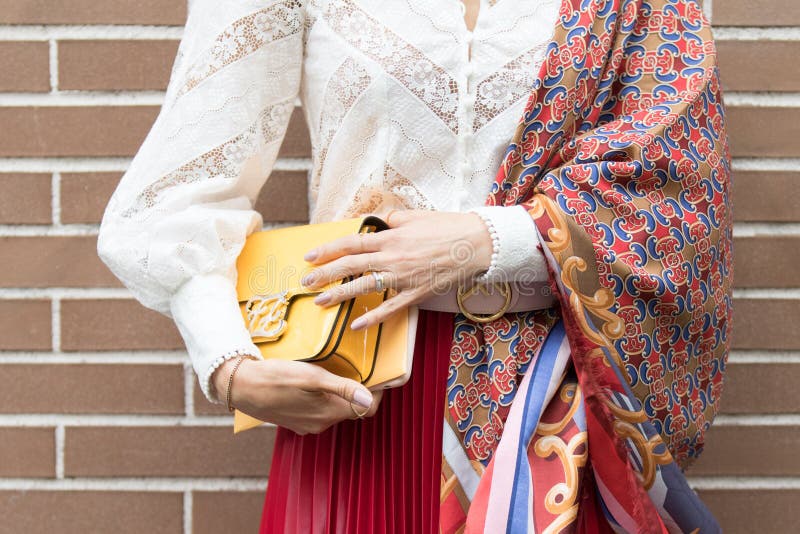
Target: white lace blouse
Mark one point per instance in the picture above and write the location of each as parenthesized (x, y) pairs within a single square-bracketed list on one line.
[(405, 107)]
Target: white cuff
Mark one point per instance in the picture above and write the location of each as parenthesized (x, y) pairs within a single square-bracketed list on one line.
[(206, 311), (516, 245)]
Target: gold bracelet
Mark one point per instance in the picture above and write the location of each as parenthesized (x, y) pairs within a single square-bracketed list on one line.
[(230, 378)]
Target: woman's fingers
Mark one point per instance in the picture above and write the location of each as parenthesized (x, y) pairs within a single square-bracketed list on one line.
[(402, 300), (339, 268), (360, 286), (346, 245), (303, 397), (349, 390)]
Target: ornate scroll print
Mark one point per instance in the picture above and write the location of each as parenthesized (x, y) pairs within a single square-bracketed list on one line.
[(621, 159)]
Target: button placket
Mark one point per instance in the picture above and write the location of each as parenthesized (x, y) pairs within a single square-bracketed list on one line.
[(467, 103)]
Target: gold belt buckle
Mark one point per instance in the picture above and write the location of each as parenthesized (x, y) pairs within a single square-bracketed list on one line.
[(505, 289)]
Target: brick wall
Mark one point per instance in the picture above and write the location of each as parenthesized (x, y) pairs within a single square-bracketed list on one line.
[(102, 426)]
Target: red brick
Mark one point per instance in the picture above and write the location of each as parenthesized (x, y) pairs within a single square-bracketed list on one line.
[(744, 450), (25, 66), (284, 197), (167, 451), (27, 452), (760, 388), (25, 198), (781, 253), (156, 12), (25, 325), (115, 324), (108, 65), (755, 13), (746, 511), (74, 131), (766, 196), (766, 324), (758, 65), (53, 262), (763, 132), (84, 196), (81, 512), (231, 511), (91, 388)]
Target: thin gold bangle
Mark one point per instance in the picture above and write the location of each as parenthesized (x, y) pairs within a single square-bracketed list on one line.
[(230, 378)]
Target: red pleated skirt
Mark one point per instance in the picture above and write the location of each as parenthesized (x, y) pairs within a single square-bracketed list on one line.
[(374, 475)]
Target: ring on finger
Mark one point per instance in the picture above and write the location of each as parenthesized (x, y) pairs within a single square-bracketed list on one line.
[(380, 284), (358, 415)]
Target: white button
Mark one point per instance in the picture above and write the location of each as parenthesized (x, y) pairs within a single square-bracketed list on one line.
[(470, 35), (466, 169), (468, 101), (469, 69), (463, 7)]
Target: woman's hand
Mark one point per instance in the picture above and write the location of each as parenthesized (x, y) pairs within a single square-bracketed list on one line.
[(300, 396), (422, 253)]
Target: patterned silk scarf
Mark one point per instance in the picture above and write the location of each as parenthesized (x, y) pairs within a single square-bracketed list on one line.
[(621, 159)]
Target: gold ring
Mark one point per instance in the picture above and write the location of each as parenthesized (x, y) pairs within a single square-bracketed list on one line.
[(359, 415)]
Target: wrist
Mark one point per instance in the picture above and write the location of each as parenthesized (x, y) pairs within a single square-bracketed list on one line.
[(220, 376), (484, 244)]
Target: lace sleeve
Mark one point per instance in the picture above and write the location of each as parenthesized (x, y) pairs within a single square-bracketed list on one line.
[(177, 221)]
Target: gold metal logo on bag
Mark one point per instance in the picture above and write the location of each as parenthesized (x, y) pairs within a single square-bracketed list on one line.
[(266, 315)]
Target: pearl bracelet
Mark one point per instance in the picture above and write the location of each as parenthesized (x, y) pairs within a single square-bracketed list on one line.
[(489, 273), (205, 382)]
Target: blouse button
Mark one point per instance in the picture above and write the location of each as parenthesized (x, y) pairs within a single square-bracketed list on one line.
[(469, 101), (469, 70)]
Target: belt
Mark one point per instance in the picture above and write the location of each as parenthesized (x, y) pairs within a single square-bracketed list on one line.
[(486, 302)]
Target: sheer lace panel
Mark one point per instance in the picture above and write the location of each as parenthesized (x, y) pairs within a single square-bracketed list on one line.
[(400, 60), (344, 87), (223, 161), (512, 81), (243, 37), (394, 192)]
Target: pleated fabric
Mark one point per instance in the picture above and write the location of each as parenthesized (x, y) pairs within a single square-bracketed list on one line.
[(374, 475)]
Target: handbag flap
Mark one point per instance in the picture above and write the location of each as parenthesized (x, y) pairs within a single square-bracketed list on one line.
[(270, 267)]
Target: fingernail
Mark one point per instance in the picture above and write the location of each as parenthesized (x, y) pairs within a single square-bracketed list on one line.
[(322, 298), (311, 255), (358, 323), (308, 279), (362, 398)]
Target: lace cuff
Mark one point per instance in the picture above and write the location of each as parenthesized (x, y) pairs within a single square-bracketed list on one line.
[(207, 314), (516, 254)]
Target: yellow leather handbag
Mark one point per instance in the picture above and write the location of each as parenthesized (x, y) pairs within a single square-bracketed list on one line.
[(285, 323)]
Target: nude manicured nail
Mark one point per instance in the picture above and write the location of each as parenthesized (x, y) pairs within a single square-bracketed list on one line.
[(362, 398)]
